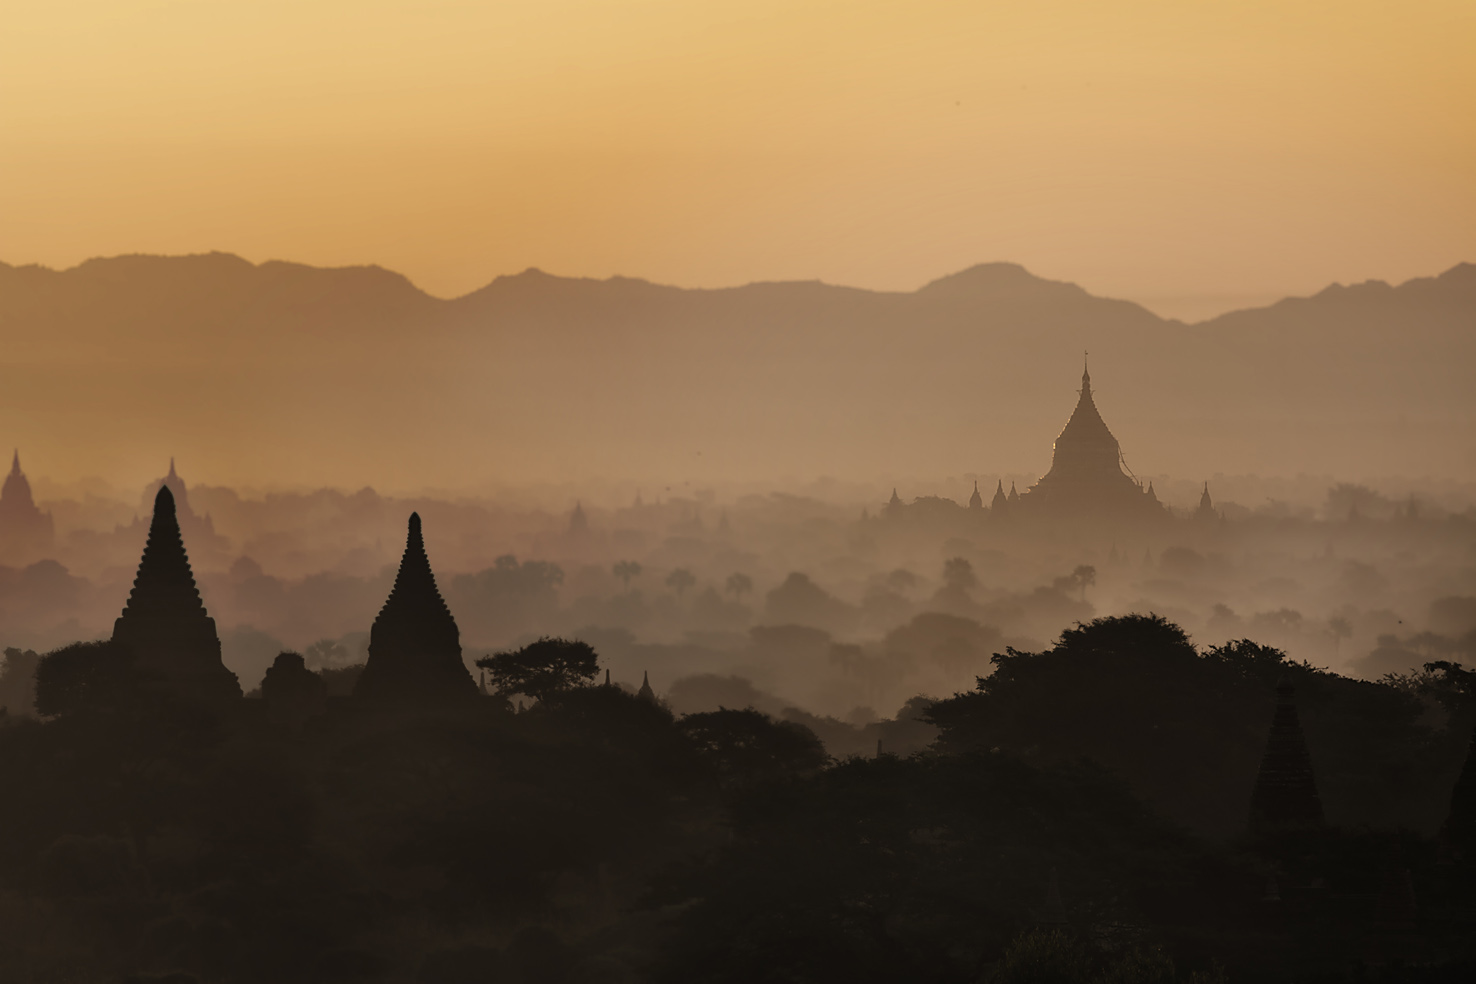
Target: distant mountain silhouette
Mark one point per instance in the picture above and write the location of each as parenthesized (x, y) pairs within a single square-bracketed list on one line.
[(624, 377)]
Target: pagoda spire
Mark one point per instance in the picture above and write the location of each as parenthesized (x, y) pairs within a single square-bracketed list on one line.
[(414, 645), (15, 463), (164, 625), (1285, 795)]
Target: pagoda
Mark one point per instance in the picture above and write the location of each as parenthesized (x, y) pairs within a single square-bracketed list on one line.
[(25, 531), (414, 646), (164, 625), (1285, 795), (1086, 476)]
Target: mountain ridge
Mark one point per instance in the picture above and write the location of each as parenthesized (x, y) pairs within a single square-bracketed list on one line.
[(991, 278), (328, 375)]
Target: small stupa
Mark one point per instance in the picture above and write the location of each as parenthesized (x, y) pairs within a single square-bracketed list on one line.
[(164, 625), (646, 693), (25, 531), (414, 645), (1285, 795)]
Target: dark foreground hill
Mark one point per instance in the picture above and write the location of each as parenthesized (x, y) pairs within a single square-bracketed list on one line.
[(538, 375)]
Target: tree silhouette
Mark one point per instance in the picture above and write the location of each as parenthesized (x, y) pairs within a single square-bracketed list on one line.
[(82, 676), (958, 574), (542, 669), (1341, 629), (739, 585), (1085, 576), (679, 580), (625, 570)]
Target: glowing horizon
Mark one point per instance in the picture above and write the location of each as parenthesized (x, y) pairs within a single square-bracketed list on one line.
[(1190, 159)]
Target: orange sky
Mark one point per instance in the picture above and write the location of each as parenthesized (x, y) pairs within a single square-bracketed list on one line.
[(1192, 155)]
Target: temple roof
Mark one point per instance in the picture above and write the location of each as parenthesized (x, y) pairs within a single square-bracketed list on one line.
[(1086, 428), (16, 491), (414, 645), (165, 585)]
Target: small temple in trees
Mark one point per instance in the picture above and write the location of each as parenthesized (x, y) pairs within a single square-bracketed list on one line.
[(1285, 794), (25, 531), (164, 625)]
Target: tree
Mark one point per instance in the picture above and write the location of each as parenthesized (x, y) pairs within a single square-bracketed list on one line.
[(1341, 629), (84, 675), (680, 580), (739, 585), (543, 668), (1085, 576), (748, 744), (958, 575), (18, 682), (625, 570)]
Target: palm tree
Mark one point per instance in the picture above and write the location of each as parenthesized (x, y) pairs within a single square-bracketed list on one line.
[(679, 580), (739, 585), (625, 570)]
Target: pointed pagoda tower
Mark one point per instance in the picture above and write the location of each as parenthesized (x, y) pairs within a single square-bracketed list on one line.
[(414, 646), (976, 501), (164, 625), (1206, 511), (1285, 795), (1087, 476), (646, 693), (1000, 503), (25, 531)]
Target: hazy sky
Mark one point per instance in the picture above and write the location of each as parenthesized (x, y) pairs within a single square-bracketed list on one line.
[(1192, 155)]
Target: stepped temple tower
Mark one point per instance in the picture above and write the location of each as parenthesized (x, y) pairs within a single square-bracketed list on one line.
[(25, 531), (1285, 795), (164, 625), (414, 646), (1087, 476)]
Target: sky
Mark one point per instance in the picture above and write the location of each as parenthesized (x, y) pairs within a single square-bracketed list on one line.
[(1193, 156)]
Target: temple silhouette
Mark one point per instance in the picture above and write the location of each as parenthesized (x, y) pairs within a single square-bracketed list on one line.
[(164, 625), (1285, 794), (25, 531), (1088, 475), (414, 645), (1088, 482)]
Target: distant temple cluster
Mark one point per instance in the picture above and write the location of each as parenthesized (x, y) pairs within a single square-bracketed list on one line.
[(1088, 480)]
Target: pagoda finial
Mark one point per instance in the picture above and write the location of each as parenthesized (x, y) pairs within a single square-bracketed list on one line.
[(15, 463), (171, 467), (1086, 376)]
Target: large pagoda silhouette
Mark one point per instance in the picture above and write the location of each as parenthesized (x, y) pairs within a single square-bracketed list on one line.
[(1087, 476), (164, 625), (414, 645)]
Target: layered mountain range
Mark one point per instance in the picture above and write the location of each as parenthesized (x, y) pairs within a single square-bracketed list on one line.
[(278, 372)]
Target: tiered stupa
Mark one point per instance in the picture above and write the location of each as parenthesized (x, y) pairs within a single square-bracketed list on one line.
[(414, 646), (164, 625), (1086, 477), (25, 531), (1285, 795)]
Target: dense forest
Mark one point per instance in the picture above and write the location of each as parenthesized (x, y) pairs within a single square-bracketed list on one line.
[(1084, 815)]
